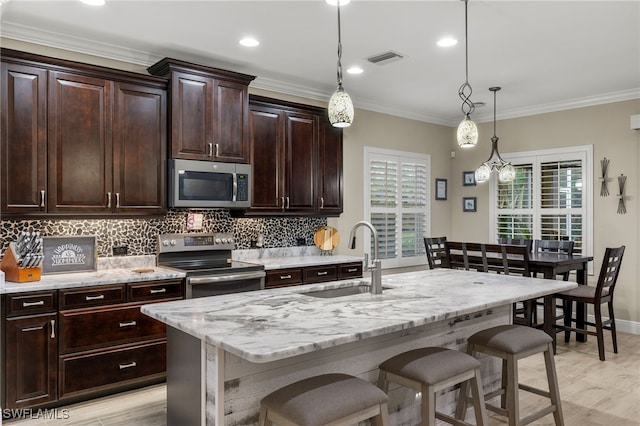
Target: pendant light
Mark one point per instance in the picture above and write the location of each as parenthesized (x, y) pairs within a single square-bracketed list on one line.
[(506, 172), (340, 109), (467, 134)]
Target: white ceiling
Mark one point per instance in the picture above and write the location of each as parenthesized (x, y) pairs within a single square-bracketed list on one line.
[(546, 55)]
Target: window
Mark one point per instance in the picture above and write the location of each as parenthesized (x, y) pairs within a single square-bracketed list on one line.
[(396, 197), (550, 198)]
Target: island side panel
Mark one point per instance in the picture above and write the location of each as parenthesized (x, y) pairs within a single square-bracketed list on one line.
[(185, 384), (246, 382)]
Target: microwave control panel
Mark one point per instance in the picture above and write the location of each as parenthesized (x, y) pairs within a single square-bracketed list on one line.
[(243, 187)]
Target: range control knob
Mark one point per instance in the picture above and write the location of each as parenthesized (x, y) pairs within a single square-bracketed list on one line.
[(173, 242), (218, 240), (165, 243), (224, 241)]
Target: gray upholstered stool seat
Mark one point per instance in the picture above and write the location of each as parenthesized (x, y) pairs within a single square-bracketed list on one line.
[(430, 370), (512, 343), (329, 399)]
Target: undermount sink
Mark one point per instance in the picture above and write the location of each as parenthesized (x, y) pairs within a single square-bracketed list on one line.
[(340, 291)]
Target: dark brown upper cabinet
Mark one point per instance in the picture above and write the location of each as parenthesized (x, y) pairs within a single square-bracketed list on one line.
[(79, 139), (209, 111), (297, 160)]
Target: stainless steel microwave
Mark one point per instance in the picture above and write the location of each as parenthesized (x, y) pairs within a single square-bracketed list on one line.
[(208, 184)]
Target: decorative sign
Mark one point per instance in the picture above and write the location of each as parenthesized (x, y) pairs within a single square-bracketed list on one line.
[(68, 254)]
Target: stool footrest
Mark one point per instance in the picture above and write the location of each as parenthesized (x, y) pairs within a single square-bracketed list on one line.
[(537, 391), (537, 415), (451, 420)]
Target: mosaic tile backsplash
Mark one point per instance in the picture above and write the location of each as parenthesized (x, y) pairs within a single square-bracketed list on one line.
[(140, 235)]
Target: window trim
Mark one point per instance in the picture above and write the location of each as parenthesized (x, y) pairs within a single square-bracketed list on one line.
[(559, 154), (398, 262)]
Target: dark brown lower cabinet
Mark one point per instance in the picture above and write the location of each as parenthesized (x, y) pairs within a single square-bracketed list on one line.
[(65, 345), (31, 360), (312, 274)]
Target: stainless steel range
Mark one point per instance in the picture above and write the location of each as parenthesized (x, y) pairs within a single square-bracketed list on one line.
[(206, 259)]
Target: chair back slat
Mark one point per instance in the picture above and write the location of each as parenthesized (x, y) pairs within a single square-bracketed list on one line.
[(517, 242), (503, 259), (436, 251), (609, 271), (554, 246)]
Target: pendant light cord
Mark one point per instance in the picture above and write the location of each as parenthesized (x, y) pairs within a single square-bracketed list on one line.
[(339, 50), (465, 90)]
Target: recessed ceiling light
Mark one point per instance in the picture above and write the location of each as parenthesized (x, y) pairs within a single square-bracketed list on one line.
[(249, 42), (447, 42), (355, 70), (94, 2), (335, 2)]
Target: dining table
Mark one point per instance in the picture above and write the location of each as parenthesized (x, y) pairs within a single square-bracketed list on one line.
[(550, 265)]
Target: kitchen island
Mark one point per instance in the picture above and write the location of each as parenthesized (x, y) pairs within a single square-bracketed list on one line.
[(226, 352)]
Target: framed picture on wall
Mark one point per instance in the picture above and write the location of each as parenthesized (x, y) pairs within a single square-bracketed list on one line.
[(469, 178), (469, 204), (441, 189)]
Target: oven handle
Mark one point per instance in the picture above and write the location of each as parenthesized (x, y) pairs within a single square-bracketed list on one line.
[(223, 278)]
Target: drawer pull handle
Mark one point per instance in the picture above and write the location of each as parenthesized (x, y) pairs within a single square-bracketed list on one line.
[(26, 330), (53, 329), (29, 304), (322, 273), (352, 270), (129, 365), (285, 277), (98, 297), (127, 324), (157, 290)]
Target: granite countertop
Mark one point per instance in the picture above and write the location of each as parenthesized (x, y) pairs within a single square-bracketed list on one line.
[(269, 325), (114, 270)]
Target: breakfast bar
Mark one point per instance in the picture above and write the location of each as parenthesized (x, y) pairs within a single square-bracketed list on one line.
[(226, 352)]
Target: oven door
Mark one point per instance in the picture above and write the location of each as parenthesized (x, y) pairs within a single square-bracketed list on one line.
[(213, 285)]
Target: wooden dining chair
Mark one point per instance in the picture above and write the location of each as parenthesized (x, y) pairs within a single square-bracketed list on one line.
[(555, 246), (437, 254), (515, 261), (597, 296), (468, 256)]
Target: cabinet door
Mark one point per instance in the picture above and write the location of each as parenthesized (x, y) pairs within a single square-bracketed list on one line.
[(79, 144), (231, 140), (191, 116), (330, 176), (139, 149), (267, 159), (31, 360), (301, 136), (23, 136)]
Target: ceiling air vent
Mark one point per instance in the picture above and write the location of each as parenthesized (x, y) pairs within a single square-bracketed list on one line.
[(385, 58)]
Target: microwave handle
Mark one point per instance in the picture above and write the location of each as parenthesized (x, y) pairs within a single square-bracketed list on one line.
[(235, 187)]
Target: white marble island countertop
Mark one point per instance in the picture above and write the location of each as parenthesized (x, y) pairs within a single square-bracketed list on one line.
[(269, 325)]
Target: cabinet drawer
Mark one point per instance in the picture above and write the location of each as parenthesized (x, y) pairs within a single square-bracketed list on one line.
[(86, 297), (112, 367), (31, 303), (153, 290), (283, 277), (316, 274), (84, 330), (350, 270)]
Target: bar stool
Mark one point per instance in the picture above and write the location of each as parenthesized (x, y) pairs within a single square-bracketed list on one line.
[(430, 370), (328, 399), (512, 343)]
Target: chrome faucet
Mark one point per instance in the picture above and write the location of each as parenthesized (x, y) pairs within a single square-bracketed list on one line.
[(376, 267)]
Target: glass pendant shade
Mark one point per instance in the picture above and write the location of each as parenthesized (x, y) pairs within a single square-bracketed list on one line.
[(340, 109), (483, 173), (507, 173), (467, 133)]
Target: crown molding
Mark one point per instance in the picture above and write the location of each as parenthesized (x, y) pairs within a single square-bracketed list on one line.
[(138, 57)]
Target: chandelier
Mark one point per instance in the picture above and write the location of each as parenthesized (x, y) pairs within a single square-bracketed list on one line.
[(506, 172), (467, 134), (340, 109)]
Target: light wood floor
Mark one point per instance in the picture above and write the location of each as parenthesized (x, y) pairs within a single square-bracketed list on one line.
[(593, 393)]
